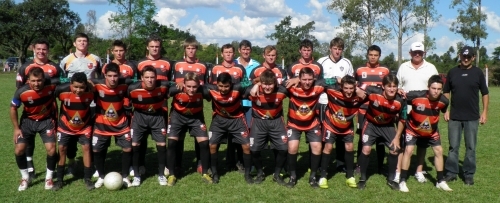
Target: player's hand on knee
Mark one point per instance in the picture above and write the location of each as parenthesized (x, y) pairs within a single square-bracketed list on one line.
[(17, 134)]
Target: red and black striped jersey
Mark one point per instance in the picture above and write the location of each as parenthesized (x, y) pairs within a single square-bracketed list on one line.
[(187, 105), (267, 106), (341, 110), (127, 70), (38, 105), (424, 116), (281, 74), (371, 76), (182, 67), (302, 104), (228, 105), (162, 65), (294, 69), (51, 70), (236, 71), (382, 110), (148, 101), (110, 118), (75, 110)]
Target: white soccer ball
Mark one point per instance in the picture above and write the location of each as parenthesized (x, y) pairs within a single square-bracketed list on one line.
[(113, 181)]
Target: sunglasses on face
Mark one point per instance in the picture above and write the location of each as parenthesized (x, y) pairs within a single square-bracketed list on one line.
[(468, 57), (421, 53)]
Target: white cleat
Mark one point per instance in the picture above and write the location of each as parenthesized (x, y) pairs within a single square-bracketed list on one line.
[(126, 183), (166, 172), (136, 182), (99, 183), (420, 177), (403, 187), (162, 180), (49, 184), (96, 174), (23, 186), (443, 186)]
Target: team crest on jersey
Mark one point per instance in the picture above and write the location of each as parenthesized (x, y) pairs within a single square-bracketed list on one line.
[(380, 74), (284, 138), (376, 103), (340, 116), (379, 118), (297, 73), (304, 110), (198, 70), (76, 120), (111, 113), (101, 93), (51, 73), (43, 110), (425, 126), (90, 65), (258, 103), (125, 73), (151, 109), (181, 70), (365, 138), (341, 68), (364, 75), (139, 97)]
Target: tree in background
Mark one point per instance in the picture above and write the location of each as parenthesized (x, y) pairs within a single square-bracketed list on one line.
[(427, 14)]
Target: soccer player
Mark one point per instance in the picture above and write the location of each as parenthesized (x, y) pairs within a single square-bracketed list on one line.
[(371, 74), (306, 60), (384, 107), (75, 124), (228, 119), (343, 103), (422, 128), (37, 97), (112, 120), (187, 114), (126, 68), (268, 125), (302, 119), (269, 63), (51, 70), (148, 98)]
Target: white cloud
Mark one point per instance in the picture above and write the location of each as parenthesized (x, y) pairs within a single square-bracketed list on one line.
[(88, 1), (168, 16), (266, 8), (191, 3), (444, 43), (492, 21), (103, 26)]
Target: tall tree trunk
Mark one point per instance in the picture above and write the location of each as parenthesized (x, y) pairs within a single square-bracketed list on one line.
[(478, 39)]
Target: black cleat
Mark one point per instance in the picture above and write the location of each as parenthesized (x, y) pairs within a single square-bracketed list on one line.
[(292, 182), (215, 178), (469, 181), (249, 179), (450, 178), (313, 183), (240, 167), (278, 179), (89, 184), (362, 184), (393, 185), (57, 185), (259, 178)]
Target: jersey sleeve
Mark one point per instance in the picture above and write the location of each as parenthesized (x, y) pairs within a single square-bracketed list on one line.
[(21, 77), (16, 100), (60, 89), (411, 95), (252, 74), (246, 95), (446, 103), (447, 84), (483, 87), (321, 72), (173, 90), (404, 109), (285, 77)]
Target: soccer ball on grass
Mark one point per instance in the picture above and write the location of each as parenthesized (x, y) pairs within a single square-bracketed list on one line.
[(113, 181)]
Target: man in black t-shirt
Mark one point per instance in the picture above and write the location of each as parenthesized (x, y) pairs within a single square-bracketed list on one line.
[(464, 82)]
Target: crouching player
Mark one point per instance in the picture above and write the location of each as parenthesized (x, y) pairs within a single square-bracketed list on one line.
[(111, 121), (343, 104), (384, 107), (37, 97), (422, 128), (75, 124), (268, 125)]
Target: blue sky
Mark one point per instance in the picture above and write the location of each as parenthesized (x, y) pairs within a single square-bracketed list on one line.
[(222, 21)]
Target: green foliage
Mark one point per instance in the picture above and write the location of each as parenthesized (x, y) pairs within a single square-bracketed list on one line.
[(390, 62)]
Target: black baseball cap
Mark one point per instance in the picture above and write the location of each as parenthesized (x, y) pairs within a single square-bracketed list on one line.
[(467, 51)]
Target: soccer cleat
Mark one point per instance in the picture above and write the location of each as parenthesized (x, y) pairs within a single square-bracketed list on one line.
[(443, 186), (450, 178), (253, 171), (420, 177), (171, 180), (206, 178), (403, 187), (259, 178), (49, 184), (89, 184), (313, 183), (357, 170), (96, 174), (166, 172), (469, 181), (393, 185), (136, 182), (131, 171), (99, 183), (323, 183), (291, 182), (279, 180), (249, 179), (142, 170), (199, 169), (57, 185), (215, 178), (240, 167), (351, 182), (127, 182), (162, 180), (341, 169), (32, 176), (70, 170), (362, 184), (24, 185)]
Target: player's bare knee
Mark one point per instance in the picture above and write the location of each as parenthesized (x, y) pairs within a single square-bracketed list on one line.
[(86, 148), (161, 144), (367, 150), (328, 148), (316, 147), (438, 151), (19, 150), (245, 148), (349, 147), (127, 149)]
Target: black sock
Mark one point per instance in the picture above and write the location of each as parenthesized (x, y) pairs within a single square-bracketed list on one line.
[(60, 173), (292, 164), (87, 173), (162, 155), (280, 162), (392, 162), (403, 176), (315, 160), (126, 160), (99, 163), (309, 153), (136, 153), (21, 161), (363, 162), (171, 155), (380, 155), (247, 162), (197, 152), (440, 176), (204, 156), (325, 161), (143, 150), (349, 163), (257, 161), (179, 153), (230, 153), (239, 153), (30, 149), (213, 163), (360, 149)]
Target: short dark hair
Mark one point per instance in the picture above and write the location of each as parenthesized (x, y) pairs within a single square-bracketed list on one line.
[(245, 43), (348, 79), (79, 77), (374, 48), (41, 41), (226, 46), (119, 43), (338, 42), (306, 70), (224, 78), (148, 68), (268, 76), (435, 79), (306, 43), (389, 79), (112, 67), (37, 72), (81, 35), (152, 38)]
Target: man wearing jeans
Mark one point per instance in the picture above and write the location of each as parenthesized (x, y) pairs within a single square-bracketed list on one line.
[(464, 82)]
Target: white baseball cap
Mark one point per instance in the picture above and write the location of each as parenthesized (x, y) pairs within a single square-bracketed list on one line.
[(417, 46)]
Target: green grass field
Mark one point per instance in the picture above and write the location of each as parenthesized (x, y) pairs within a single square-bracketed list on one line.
[(232, 187)]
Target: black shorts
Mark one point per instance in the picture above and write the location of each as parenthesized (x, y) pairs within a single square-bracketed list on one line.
[(179, 124), (235, 128), (331, 137), (372, 132), (29, 129), (420, 141), (143, 124), (100, 143), (264, 130), (313, 135), (69, 140)]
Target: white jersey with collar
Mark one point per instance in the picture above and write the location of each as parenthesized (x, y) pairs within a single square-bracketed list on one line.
[(333, 69)]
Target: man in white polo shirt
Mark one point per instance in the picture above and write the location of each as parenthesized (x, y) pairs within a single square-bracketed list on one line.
[(414, 75)]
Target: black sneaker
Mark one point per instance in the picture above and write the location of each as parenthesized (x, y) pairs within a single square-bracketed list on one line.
[(215, 178), (32, 176), (249, 179), (259, 178), (89, 184), (313, 183), (469, 181), (291, 183), (450, 178), (362, 184), (278, 179), (393, 185), (57, 185)]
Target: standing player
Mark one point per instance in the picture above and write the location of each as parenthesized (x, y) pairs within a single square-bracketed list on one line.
[(148, 98), (111, 120), (51, 70), (371, 74), (187, 114), (37, 97), (75, 124), (384, 107), (268, 124), (302, 119), (343, 103), (422, 128), (269, 55), (306, 60), (127, 69)]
